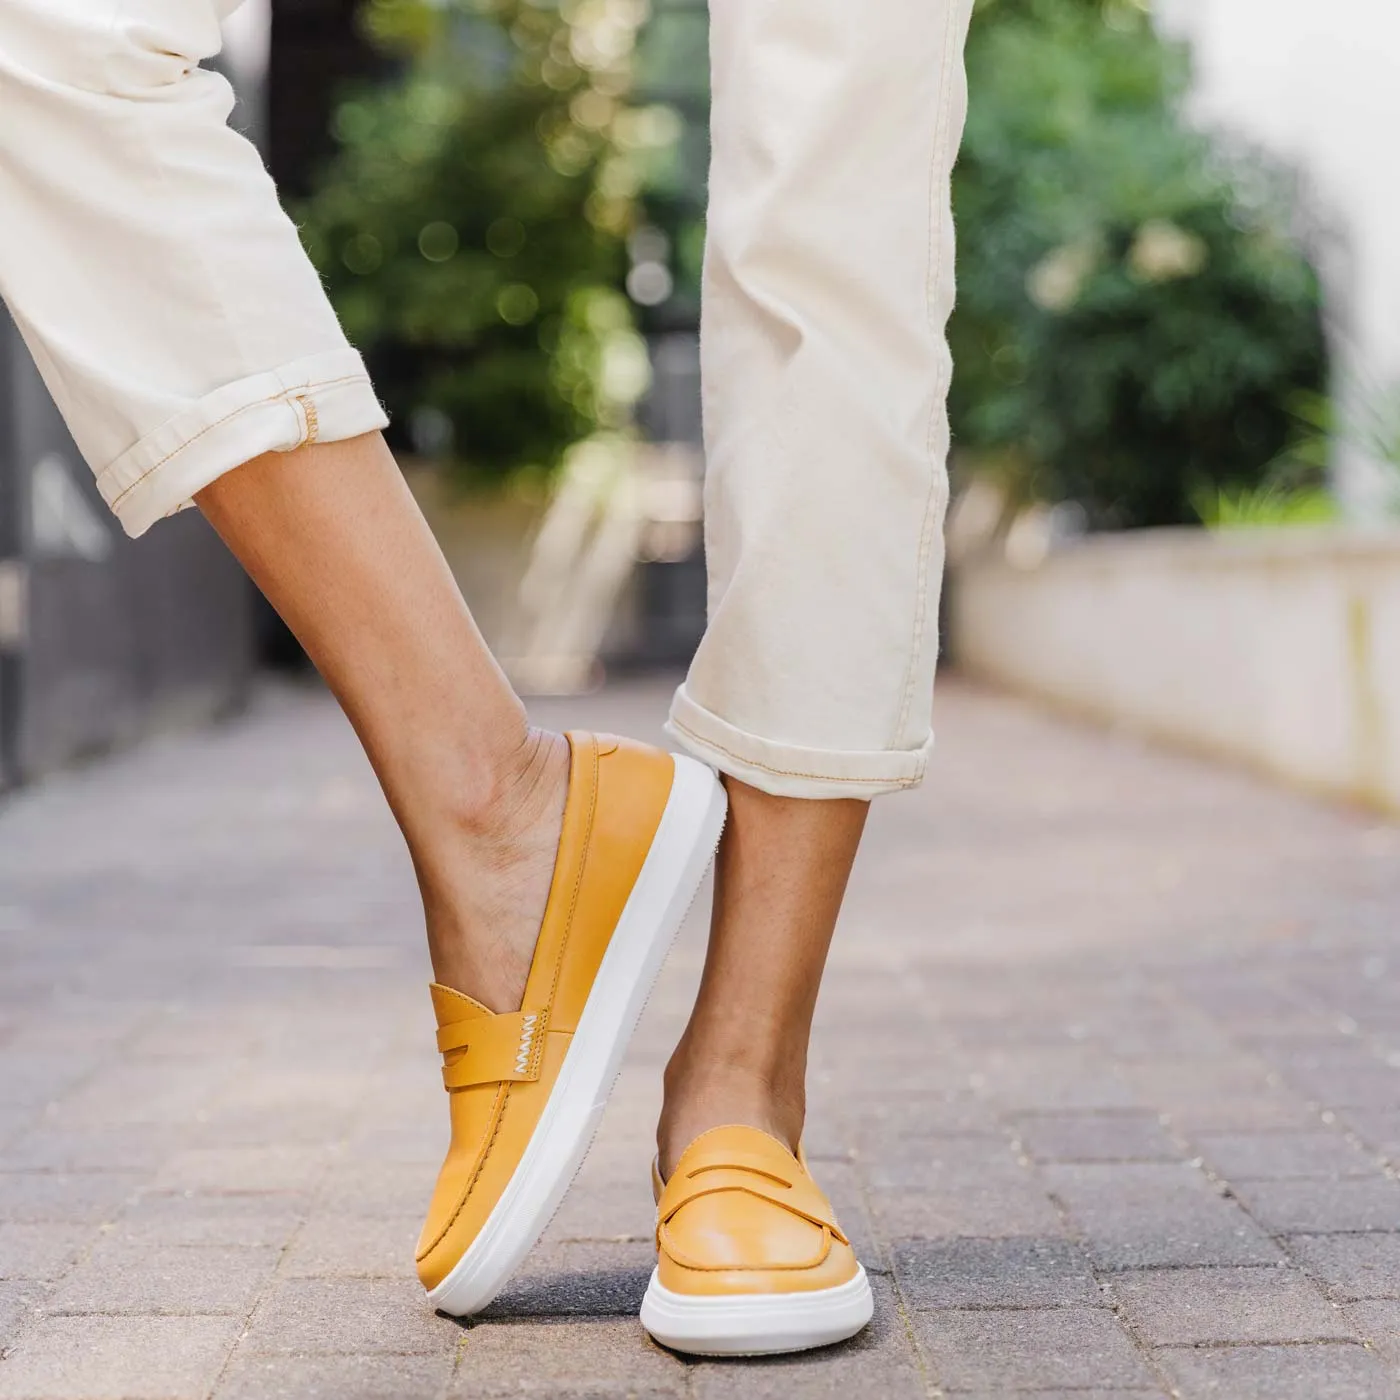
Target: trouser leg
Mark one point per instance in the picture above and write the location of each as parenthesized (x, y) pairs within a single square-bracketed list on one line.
[(828, 285), (146, 260)]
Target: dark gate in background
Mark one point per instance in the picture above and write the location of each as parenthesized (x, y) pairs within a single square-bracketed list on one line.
[(102, 639)]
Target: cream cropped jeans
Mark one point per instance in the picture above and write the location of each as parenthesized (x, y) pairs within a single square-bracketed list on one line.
[(182, 331)]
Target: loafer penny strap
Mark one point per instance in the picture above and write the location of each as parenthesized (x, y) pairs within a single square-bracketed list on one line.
[(798, 1197), (494, 1049)]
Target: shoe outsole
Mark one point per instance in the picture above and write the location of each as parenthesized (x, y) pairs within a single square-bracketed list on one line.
[(756, 1324), (681, 852)]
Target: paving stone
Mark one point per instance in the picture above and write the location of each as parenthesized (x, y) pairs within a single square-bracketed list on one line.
[(597, 1209), (117, 1358), (965, 1273), (35, 1078), (1299, 1207), (49, 1146), (421, 1145), (1144, 1216), (1097, 1137), (1342, 1076), (1189, 1306), (14, 1123), (578, 1279), (1378, 1128), (253, 1377), (874, 1116), (1075, 1394), (1045, 1080), (244, 1169), (1336, 1371), (199, 1218), (65, 1197), (563, 1356), (122, 1276), (18, 1299), (366, 1188), (1048, 999), (1320, 1156), (1137, 1029), (596, 1390), (348, 1315), (931, 1187), (105, 1022), (939, 1162), (1022, 1349), (1204, 1095), (312, 1080), (1351, 1266), (1378, 1322), (975, 1211), (895, 1070), (125, 1092), (40, 1251), (332, 1246)]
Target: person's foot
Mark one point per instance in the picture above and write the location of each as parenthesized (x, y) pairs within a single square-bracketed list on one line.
[(484, 898), (529, 1085), (751, 1259)]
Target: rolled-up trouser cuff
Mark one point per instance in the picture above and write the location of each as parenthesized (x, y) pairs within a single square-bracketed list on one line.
[(322, 398), (788, 770)]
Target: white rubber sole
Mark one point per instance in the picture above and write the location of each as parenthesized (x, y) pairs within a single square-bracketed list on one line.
[(758, 1324), (670, 877)]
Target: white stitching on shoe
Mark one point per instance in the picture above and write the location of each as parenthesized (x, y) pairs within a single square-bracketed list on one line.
[(527, 1036)]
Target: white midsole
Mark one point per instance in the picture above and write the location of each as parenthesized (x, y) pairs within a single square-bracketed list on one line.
[(756, 1324), (680, 853)]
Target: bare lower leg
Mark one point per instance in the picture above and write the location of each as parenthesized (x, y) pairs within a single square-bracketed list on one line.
[(333, 537), (779, 882)]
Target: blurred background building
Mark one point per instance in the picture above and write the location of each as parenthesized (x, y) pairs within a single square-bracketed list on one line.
[(102, 639)]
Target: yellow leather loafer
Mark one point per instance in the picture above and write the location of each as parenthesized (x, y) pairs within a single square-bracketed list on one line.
[(527, 1088), (751, 1259)]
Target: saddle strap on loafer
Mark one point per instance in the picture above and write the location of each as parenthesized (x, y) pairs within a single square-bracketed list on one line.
[(498, 1049)]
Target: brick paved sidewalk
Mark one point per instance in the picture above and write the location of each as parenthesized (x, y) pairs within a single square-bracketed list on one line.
[(1108, 1089)]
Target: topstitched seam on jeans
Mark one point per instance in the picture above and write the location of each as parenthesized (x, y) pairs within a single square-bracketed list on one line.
[(933, 281), (284, 396), (786, 772)]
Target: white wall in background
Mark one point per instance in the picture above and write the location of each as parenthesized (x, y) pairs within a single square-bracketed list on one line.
[(1279, 649), (1319, 84)]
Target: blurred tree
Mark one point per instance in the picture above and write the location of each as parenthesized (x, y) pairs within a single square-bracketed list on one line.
[(471, 228), (1134, 318), (316, 46), (673, 75)]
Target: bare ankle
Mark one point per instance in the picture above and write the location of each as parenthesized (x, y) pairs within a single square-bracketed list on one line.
[(524, 784), (701, 1095), (486, 880)]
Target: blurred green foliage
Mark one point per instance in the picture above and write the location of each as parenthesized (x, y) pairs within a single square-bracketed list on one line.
[(672, 71), (471, 230), (1363, 418), (1266, 506), (1134, 319)]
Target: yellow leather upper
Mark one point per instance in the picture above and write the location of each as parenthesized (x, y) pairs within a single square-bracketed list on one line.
[(499, 1069), (741, 1214)]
